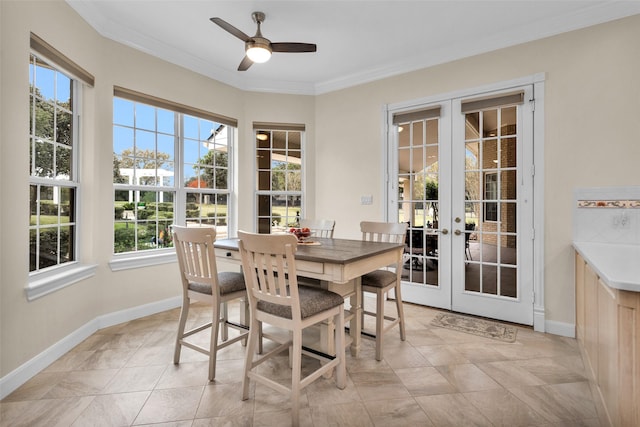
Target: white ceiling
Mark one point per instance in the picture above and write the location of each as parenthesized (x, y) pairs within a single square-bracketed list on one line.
[(358, 41)]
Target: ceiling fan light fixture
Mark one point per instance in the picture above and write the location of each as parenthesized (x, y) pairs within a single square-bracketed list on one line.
[(258, 51)]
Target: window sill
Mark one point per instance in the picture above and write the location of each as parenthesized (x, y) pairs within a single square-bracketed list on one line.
[(41, 284), (129, 261)]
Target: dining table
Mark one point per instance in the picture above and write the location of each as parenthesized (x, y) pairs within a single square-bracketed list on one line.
[(333, 264)]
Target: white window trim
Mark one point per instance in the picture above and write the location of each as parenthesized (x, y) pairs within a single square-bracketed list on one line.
[(131, 260), (48, 281), (149, 258)]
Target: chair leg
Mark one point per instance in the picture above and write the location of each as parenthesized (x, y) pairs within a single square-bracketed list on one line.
[(341, 369), (184, 314), (296, 374), (224, 326), (213, 345), (252, 344), (379, 323), (400, 311)]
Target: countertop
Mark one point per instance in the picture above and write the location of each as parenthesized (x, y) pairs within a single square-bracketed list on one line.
[(618, 265)]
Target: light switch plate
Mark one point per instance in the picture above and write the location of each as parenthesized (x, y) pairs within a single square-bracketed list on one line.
[(366, 200)]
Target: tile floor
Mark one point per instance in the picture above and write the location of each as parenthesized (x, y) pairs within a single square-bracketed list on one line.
[(124, 376)]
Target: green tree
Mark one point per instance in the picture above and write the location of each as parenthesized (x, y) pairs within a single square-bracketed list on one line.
[(144, 159), (50, 124), (213, 167), (286, 177), (117, 177)]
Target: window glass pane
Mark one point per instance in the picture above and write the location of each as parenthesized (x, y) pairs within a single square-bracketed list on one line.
[(64, 122), (279, 177), (63, 162), (44, 80), (472, 186), (122, 112), (490, 123), (64, 92), (143, 217), (145, 117), (48, 244), (490, 153), (508, 153), (43, 159), (44, 113), (190, 127), (166, 121), (508, 185), (472, 128), (508, 119)]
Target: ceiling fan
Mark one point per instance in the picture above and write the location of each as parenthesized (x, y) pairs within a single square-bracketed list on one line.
[(258, 48)]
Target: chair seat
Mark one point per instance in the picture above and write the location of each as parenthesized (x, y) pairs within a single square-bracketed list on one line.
[(312, 301), (379, 278), (228, 281)]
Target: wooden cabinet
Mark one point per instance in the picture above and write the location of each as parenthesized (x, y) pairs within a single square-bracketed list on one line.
[(608, 332)]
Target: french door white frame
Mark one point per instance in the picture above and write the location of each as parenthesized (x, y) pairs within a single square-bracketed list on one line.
[(391, 193)]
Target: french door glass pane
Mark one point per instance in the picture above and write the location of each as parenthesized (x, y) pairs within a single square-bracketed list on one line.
[(418, 175), (491, 202)]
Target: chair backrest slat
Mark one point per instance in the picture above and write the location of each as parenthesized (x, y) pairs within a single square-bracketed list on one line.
[(269, 266), (383, 231), (319, 227), (196, 254)]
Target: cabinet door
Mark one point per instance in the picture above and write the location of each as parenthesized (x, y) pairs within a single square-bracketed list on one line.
[(629, 358), (591, 321), (580, 264), (608, 348)]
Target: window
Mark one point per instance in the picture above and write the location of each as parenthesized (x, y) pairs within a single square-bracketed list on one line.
[(279, 176), (53, 183), (170, 165), (491, 193)]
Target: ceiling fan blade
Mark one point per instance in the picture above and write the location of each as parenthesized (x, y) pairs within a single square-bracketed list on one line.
[(293, 47), (245, 64), (231, 29)]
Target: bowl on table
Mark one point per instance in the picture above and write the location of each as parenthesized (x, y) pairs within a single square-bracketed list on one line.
[(301, 233)]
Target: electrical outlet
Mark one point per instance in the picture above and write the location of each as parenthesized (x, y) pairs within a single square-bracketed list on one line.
[(366, 200)]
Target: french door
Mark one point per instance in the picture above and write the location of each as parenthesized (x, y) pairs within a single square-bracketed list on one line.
[(464, 185)]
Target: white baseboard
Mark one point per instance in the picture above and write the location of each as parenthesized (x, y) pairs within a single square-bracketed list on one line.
[(560, 328), (29, 369)]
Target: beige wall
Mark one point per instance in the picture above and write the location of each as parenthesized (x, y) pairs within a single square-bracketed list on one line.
[(591, 125), (29, 328), (592, 118)]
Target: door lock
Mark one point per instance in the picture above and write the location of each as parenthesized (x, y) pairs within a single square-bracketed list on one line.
[(457, 219)]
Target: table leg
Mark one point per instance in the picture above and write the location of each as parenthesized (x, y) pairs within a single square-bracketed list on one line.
[(352, 290), (355, 326)]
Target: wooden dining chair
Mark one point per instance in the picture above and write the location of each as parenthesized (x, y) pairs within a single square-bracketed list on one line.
[(276, 299), (319, 227), (380, 282), (201, 281)]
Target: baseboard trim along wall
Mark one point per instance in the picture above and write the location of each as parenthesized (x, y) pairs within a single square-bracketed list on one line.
[(560, 328), (28, 370)]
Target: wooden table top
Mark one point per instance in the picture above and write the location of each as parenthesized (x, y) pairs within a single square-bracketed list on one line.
[(338, 251)]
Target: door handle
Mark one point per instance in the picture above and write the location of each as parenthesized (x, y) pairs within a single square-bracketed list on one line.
[(445, 231), (457, 232)]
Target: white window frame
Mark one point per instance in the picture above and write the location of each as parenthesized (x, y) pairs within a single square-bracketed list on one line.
[(47, 280), (269, 129), (150, 257)]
